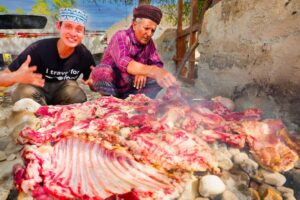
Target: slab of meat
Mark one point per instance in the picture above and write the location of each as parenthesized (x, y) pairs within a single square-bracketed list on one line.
[(176, 149), (77, 168), (138, 148), (137, 113), (267, 145)]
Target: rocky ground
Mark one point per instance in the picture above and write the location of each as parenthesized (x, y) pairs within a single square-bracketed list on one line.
[(241, 178), (9, 150)]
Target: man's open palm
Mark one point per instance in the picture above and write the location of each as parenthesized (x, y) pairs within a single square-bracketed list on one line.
[(25, 74)]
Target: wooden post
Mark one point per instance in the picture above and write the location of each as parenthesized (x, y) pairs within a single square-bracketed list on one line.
[(180, 41), (193, 28), (193, 34)]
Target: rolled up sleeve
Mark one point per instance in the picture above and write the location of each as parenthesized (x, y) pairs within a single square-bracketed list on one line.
[(119, 51)]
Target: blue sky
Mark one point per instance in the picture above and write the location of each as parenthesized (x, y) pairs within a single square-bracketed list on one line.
[(101, 15)]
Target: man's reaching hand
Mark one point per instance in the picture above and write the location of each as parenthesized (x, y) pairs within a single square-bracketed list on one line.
[(89, 81), (25, 74), (164, 78), (139, 81)]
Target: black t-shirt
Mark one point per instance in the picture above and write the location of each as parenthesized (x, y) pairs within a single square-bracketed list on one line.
[(44, 55)]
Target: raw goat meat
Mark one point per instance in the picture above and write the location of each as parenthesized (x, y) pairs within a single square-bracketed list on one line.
[(138, 148), (94, 170), (267, 145)]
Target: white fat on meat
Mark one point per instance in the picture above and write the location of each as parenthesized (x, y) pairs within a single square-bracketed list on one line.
[(171, 151), (88, 169)]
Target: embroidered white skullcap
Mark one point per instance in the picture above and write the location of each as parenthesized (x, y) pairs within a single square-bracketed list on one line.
[(72, 14)]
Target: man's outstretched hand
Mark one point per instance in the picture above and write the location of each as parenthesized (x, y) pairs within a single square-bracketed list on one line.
[(26, 75), (89, 82), (139, 81), (164, 78)]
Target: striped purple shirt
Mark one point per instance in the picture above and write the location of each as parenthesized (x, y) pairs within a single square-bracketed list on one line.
[(123, 48)]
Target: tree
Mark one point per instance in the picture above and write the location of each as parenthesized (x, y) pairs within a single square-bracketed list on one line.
[(169, 7), (63, 4), (19, 11), (41, 7), (3, 9), (144, 2)]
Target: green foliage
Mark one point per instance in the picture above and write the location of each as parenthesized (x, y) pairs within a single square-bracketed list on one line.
[(63, 4), (142, 2), (41, 7), (3, 9), (19, 11), (169, 8)]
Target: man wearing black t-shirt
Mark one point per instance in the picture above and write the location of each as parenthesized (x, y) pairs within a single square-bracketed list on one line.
[(60, 61)]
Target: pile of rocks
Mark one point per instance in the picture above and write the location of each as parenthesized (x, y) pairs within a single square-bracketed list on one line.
[(241, 178)]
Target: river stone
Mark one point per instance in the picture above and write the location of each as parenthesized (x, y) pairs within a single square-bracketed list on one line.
[(225, 163), (4, 193), (11, 157), (6, 178), (4, 142), (18, 120), (297, 165), (272, 194), (26, 104), (221, 148), (254, 194), (12, 147), (288, 197), (6, 168), (2, 156), (3, 132), (224, 151), (24, 196), (237, 181), (249, 166), (190, 189), (240, 158), (233, 151), (275, 178), (5, 111), (286, 190), (228, 195), (211, 185), (293, 177), (224, 160), (287, 193)]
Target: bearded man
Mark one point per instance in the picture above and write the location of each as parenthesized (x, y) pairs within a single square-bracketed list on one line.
[(131, 64), (60, 61)]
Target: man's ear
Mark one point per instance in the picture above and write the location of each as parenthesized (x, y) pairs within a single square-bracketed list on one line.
[(58, 25), (134, 23)]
